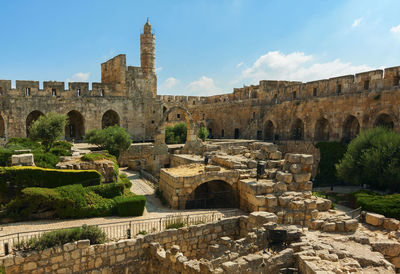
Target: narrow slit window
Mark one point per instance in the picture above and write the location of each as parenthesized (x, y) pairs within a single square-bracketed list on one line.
[(78, 92), (28, 92), (339, 89), (366, 84), (101, 92), (294, 95), (53, 92), (315, 92)]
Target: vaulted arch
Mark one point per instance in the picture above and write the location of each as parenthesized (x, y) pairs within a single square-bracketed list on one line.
[(75, 128), (351, 128), (384, 120), (269, 131), (321, 130), (31, 118), (297, 130), (110, 118)]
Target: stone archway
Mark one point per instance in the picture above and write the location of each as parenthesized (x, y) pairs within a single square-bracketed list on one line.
[(110, 118), (384, 120), (75, 128), (351, 128), (297, 132), (212, 194), (31, 118), (269, 131), (321, 130), (191, 128)]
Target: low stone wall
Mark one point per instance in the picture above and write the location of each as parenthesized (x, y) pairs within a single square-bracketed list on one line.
[(183, 159), (118, 257)]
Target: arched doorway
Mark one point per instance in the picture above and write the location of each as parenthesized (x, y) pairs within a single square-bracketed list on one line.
[(75, 129), (269, 131), (321, 130), (110, 118), (351, 128), (32, 117), (2, 128), (298, 130), (384, 120), (212, 194)]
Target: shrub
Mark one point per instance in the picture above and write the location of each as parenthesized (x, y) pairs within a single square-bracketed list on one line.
[(373, 158), (5, 156), (388, 205), (130, 206), (108, 190), (114, 139), (63, 236), (203, 133), (73, 200), (331, 153), (176, 134), (177, 224), (45, 160), (14, 179), (123, 179), (48, 128)]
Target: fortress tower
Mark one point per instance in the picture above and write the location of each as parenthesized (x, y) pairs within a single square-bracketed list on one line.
[(147, 50)]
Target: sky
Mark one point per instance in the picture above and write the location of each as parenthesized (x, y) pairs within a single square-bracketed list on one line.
[(203, 47)]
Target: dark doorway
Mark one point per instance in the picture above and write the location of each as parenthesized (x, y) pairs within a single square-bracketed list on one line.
[(236, 133), (259, 135), (110, 118), (384, 120), (75, 128), (213, 194), (269, 131), (351, 128)]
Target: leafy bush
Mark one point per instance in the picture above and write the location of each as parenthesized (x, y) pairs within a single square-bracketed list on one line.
[(373, 158), (130, 206), (388, 205), (63, 236), (123, 179), (331, 153), (114, 139), (5, 156), (48, 128), (73, 200), (203, 133), (45, 160), (108, 190), (176, 134), (14, 179), (177, 224)]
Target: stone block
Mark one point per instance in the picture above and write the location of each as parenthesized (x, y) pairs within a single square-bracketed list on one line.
[(296, 205), (328, 226), (284, 177), (293, 158), (252, 164), (280, 187), (307, 159), (316, 224), (391, 224), (271, 200), (302, 177), (374, 219), (350, 225), (83, 244), (22, 160), (285, 200), (387, 248), (276, 155), (295, 168), (310, 204), (323, 204), (259, 217)]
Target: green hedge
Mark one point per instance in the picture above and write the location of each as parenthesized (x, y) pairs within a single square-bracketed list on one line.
[(130, 206), (330, 154), (108, 190), (14, 179), (62, 236), (5, 156), (388, 205)]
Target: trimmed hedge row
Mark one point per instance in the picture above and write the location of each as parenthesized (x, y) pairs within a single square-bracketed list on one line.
[(74, 201), (388, 205), (14, 179), (130, 206)]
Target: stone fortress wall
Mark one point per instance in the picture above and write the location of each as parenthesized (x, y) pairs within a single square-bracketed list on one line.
[(333, 109)]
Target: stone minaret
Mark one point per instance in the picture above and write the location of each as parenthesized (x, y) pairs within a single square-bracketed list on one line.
[(147, 50)]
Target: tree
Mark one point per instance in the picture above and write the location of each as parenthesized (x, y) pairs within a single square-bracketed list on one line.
[(373, 158), (203, 133), (176, 134), (114, 139), (48, 128)]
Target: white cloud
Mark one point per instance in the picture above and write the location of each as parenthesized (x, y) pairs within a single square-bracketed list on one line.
[(168, 84), (356, 22), (204, 86), (79, 77), (239, 65), (296, 66), (395, 29)]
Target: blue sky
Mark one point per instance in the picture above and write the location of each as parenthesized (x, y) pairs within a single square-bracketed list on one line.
[(202, 47)]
